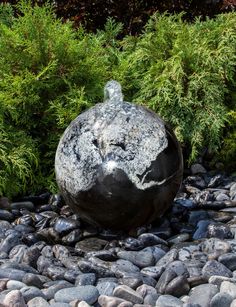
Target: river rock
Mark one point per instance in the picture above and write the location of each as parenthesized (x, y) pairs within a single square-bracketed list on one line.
[(88, 294), (128, 294), (118, 164), (14, 299), (202, 295)]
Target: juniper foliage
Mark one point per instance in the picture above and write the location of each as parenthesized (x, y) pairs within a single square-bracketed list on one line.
[(185, 72), (51, 72)]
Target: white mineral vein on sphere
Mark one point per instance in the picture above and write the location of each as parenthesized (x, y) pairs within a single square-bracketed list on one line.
[(117, 135)]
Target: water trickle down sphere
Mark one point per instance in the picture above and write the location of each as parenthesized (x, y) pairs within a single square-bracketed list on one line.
[(117, 164)]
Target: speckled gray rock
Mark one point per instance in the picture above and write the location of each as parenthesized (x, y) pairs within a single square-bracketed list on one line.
[(111, 301), (217, 280), (15, 285), (128, 294), (148, 293), (12, 274), (31, 292), (140, 258), (202, 294), (14, 299), (168, 301), (119, 159), (229, 260), (106, 288), (85, 279), (88, 294), (214, 267), (228, 287), (221, 299), (38, 302)]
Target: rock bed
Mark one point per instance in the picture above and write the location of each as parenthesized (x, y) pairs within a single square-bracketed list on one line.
[(49, 257)]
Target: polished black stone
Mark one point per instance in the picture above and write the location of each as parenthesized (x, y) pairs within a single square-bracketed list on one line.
[(118, 164)]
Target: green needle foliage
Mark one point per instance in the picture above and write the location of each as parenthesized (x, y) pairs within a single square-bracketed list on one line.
[(184, 72), (51, 72)]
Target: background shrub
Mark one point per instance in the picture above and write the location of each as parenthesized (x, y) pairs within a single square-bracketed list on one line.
[(50, 72), (186, 73)]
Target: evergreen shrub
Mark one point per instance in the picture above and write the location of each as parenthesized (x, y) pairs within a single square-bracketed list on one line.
[(186, 73), (50, 72)]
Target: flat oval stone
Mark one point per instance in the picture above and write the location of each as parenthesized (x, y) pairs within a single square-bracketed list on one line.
[(141, 259), (167, 300), (118, 164), (88, 294)]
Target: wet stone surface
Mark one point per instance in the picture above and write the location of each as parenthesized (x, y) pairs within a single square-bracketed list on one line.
[(119, 158), (50, 257)]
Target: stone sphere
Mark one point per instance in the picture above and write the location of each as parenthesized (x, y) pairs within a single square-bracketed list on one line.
[(118, 164)]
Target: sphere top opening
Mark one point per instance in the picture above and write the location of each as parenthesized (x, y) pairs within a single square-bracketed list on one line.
[(118, 164)]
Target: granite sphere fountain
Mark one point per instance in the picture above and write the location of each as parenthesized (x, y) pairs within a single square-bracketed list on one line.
[(118, 164)]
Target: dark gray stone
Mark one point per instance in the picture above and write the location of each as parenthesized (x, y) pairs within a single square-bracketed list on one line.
[(31, 292), (12, 274), (18, 266), (6, 215), (149, 239), (164, 280), (64, 225), (157, 252), (148, 293), (85, 279), (221, 299), (178, 286), (214, 267), (220, 231), (89, 245), (23, 205), (72, 274), (118, 158), (121, 266), (32, 280), (141, 259), (128, 294), (153, 271), (55, 272), (17, 252), (10, 241), (88, 267), (50, 291), (229, 260), (178, 267), (169, 257)]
